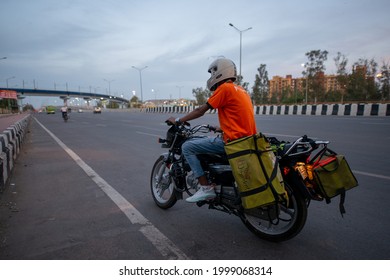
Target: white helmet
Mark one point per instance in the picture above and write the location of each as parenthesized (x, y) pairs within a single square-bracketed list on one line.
[(221, 69)]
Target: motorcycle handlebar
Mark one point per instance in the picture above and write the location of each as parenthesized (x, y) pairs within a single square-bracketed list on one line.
[(209, 127), (168, 122), (212, 128)]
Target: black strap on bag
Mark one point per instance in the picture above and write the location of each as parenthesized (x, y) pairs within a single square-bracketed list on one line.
[(241, 153), (266, 185), (274, 171), (341, 204)]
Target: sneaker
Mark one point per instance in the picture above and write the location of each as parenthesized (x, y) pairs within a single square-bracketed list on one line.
[(204, 193)]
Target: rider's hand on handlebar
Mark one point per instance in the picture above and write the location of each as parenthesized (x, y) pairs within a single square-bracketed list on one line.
[(215, 128), (171, 121)]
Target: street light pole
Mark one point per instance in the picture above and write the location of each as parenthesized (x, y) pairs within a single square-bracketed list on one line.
[(179, 87), (240, 31), (9, 101), (140, 79), (307, 75), (6, 80), (109, 85)]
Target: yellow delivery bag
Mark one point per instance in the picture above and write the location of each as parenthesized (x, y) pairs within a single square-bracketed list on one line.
[(256, 171)]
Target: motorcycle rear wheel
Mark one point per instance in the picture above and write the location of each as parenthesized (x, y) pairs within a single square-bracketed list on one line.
[(162, 185), (279, 222)]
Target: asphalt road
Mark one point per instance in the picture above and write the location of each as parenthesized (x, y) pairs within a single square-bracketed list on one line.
[(80, 190)]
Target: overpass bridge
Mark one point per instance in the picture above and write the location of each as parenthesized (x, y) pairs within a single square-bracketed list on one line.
[(65, 95)]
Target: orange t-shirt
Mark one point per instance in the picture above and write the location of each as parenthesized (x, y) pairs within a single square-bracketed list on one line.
[(235, 111)]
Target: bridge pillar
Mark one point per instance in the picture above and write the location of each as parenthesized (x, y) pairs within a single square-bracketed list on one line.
[(65, 98)]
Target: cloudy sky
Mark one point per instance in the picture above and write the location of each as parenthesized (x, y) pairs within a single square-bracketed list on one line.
[(93, 44)]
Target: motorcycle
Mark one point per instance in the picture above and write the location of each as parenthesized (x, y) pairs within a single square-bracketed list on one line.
[(172, 178), (65, 116)]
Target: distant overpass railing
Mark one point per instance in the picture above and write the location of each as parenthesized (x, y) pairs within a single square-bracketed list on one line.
[(65, 94)]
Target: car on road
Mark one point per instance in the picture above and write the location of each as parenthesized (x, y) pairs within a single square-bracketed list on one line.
[(97, 110), (50, 110)]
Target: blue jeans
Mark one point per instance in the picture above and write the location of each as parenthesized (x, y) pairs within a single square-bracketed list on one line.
[(204, 145)]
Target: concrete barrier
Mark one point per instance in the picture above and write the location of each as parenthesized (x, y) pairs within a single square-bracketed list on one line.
[(11, 140), (359, 109)]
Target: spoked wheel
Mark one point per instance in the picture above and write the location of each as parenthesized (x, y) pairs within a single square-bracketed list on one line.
[(278, 222), (162, 185), (192, 186)]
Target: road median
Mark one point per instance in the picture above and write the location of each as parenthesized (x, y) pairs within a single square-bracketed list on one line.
[(13, 130)]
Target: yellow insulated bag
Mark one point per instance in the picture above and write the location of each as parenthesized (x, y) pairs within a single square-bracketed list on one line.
[(256, 171), (333, 176)]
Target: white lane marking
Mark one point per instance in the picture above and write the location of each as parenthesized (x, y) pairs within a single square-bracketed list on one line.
[(148, 134), (162, 243), (371, 174), (370, 123)]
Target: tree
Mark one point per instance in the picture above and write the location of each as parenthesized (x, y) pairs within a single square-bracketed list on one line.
[(361, 84), (134, 99), (288, 97), (112, 105), (28, 107), (260, 88), (134, 102), (342, 76), (384, 81), (314, 71), (201, 95), (239, 81)]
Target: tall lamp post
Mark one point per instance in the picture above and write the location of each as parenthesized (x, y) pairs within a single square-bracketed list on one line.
[(179, 87), (240, 31), (6, 80), (109, 85), (140, 79), (307, 75), (9, 101)]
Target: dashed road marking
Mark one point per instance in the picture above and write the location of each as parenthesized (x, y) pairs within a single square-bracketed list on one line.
[(371, 174)]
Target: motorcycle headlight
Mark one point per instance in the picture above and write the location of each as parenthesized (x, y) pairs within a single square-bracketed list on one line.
[(170, 135)]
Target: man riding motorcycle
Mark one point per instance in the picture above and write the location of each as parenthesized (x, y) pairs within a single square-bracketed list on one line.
[(64, 111), (236, 118)]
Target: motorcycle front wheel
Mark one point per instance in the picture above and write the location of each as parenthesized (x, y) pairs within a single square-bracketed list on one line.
[(278, 222), (162, 185)]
